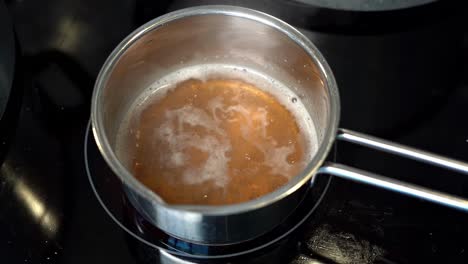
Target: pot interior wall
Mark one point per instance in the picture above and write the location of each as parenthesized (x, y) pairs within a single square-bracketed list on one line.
[(215, 38)]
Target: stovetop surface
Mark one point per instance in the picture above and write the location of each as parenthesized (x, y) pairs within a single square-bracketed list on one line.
[(49, 214)]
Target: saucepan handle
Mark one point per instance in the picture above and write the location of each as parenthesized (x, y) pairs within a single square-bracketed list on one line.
[(361, 176)]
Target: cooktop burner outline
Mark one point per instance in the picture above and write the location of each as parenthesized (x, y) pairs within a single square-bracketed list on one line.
[(176, 252)]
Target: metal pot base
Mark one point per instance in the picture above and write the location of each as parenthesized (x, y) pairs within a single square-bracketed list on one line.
[(108, 190)]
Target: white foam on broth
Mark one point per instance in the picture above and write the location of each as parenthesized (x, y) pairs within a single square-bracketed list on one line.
[(215, 143)]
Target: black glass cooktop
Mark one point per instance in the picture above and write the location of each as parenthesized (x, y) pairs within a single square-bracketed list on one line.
[(401, 75)]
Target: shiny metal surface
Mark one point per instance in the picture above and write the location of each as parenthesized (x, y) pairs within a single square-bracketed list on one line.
[(245, 38), (103, 183), (166, 258), (407, 230), (7, 57), (401, 150), (376, 180), (214, 34), (361, 176)]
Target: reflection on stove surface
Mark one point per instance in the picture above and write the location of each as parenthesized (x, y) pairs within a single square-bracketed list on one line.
[(49, 214), (277, 246)]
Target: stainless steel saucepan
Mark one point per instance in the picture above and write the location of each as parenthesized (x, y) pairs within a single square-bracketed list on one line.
[(242, 37)]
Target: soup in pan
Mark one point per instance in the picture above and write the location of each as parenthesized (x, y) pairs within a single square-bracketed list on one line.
[(216, 135)]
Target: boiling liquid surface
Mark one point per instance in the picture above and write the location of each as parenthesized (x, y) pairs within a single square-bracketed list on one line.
[(215, 141)]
